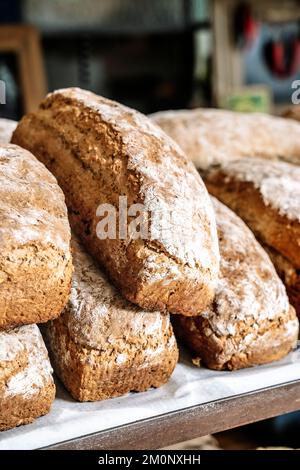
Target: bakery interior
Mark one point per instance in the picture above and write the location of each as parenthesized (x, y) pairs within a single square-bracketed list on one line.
[(241, 58)]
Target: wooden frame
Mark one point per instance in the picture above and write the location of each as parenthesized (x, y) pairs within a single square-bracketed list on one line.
[(227, 59), (24, 41), (195, 421)]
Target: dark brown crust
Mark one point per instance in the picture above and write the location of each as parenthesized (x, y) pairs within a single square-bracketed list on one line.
[(270, 345), (17, 410), (91, 375), (273, 229)]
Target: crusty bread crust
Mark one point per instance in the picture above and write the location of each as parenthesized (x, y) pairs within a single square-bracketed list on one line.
[(214, 136), (92, 375), (100, 150), (35, 256), (289, 275), (293, 112), (103, 346), (250, 321), (266, 195), (17, 411), (27, 389)]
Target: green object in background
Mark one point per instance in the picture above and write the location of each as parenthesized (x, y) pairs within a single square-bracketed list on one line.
[(248, 99)]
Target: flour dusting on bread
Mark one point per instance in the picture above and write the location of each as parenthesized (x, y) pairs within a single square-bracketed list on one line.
[(37, 372), (278, 182)]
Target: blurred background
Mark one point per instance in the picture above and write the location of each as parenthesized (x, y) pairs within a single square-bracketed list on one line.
[(151, 54), (154, 55)]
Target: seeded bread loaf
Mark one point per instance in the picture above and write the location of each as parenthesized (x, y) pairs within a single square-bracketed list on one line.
[(7, 126), (100, 150), (250, 321), (26, 385), (103, 346), (213, 136), (35, 259)]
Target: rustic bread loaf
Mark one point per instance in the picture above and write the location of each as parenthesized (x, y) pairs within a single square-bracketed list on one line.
[(100, 150), (293, 112), (26, 385), (35, 259), (250, 321), (7, 126), (266, 195), (213, 136), (289, 275), (103, 346)]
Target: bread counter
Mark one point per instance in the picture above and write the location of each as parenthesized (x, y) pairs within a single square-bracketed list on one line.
[(196, 401)]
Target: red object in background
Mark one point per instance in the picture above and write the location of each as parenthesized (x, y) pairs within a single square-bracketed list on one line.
[(283, 57), (295, 62), (246, 28)]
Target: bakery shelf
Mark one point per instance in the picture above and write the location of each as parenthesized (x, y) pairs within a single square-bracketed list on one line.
[(195, 421), (196, 401)]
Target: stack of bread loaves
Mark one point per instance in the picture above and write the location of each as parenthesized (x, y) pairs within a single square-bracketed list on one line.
[(100, 150), (250, 164), (35, 277), (104, 346), (138, 206)]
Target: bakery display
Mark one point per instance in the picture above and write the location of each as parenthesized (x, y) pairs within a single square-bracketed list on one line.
[(148, 241), (7, 126), (213, 136), (250, 321), (102, 346), (26, 385), (35, 258), (100, 150), (266, 195)]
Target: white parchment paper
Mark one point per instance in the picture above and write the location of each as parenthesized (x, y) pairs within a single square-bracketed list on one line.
[(188, 386)]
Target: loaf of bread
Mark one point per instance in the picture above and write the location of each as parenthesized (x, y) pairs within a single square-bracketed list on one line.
[(266, 195), (213, 136), (289, 275), (35, 257), (250, 321), (293, 112), (100, 151), (26, 385), (7, 126), (103, 346)]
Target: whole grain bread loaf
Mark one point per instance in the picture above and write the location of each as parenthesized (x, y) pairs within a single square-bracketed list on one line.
[(213, 136), (100, 151), (35, 256), (7, 126), (250, 321), (293, 112), (266, 195), (289, 275), (26, 384), (103, 346)]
